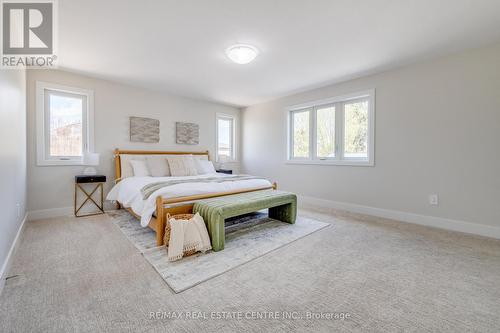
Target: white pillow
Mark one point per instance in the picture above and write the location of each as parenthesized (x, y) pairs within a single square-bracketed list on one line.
[(158, 166), (140, 168), (182, 165), (204, 167)]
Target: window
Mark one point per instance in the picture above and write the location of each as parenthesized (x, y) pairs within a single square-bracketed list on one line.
[(356, 130), (338, 131), (225, 138), (300, 125), (325, 132), (64, 124)]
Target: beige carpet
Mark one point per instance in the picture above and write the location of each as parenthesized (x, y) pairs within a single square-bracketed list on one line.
[(83, 275), (250, 236)]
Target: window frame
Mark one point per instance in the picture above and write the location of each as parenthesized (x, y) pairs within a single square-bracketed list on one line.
[(338, 102), (233, 136), (43, 134)]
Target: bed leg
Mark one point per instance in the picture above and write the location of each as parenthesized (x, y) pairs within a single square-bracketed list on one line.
[(160, 221)]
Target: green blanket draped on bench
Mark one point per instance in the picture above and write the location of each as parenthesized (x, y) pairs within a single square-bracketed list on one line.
[(282, 206)]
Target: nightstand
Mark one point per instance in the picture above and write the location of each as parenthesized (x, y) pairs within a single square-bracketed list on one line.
[(98, 181), (230, 172)]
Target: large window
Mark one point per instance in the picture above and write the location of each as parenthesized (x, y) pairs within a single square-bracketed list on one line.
[(225, 138), (338, 130), (64, 124)]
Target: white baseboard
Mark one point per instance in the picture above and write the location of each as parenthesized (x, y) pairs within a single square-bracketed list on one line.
[(431, 221), (49, 213), (8, 259)]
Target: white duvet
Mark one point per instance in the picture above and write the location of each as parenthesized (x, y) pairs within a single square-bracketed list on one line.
[(128, 191)]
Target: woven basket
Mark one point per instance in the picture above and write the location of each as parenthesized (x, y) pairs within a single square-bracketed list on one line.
[(166, 238)]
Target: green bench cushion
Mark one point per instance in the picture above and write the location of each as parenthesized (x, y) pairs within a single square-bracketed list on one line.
[(282, 206)]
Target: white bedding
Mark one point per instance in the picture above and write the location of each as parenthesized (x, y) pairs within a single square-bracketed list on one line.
[(128, 191)]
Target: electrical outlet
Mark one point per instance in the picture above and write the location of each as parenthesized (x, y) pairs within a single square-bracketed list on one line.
[(18, 210), (433, 199)]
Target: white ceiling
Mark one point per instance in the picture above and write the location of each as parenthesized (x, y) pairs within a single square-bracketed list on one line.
[(178, 46)]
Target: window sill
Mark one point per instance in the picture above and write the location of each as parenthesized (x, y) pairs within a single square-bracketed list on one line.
[(332, 162)]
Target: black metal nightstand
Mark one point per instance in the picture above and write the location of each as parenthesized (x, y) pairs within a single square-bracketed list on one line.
[(230, 172), (99, 180)]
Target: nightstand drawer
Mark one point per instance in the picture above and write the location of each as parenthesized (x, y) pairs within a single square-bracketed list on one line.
[(225, 171), (90, 179)]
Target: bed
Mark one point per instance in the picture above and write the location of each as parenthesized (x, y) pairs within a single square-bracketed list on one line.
[(179, 197)]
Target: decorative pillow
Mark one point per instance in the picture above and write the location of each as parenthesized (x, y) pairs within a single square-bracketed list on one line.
[(182, 165), (140, 168), (158, 166), (204, 167)]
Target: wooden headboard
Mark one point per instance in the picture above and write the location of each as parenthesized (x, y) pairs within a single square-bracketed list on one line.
[(118, 152)]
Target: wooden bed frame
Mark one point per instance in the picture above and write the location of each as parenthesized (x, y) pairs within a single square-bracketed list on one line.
[(158, 223)]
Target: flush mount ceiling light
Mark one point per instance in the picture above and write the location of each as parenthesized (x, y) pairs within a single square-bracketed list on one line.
[(242, 53)]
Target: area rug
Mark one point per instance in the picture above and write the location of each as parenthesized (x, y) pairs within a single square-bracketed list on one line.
[(247, 238)]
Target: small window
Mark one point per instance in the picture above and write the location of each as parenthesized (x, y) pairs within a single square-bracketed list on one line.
[(225, 138), (338, 131), (64, 124)]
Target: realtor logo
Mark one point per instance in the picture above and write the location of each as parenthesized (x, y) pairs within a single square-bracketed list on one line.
[(28, 34)]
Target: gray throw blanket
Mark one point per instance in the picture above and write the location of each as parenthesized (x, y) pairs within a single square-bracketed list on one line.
[(153, 187)]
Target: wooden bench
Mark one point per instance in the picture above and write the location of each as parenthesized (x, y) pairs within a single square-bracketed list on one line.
[(282, 206)]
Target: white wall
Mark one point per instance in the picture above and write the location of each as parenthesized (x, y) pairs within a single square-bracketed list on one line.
[(437, 131), (12, 160), (51, 188)]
